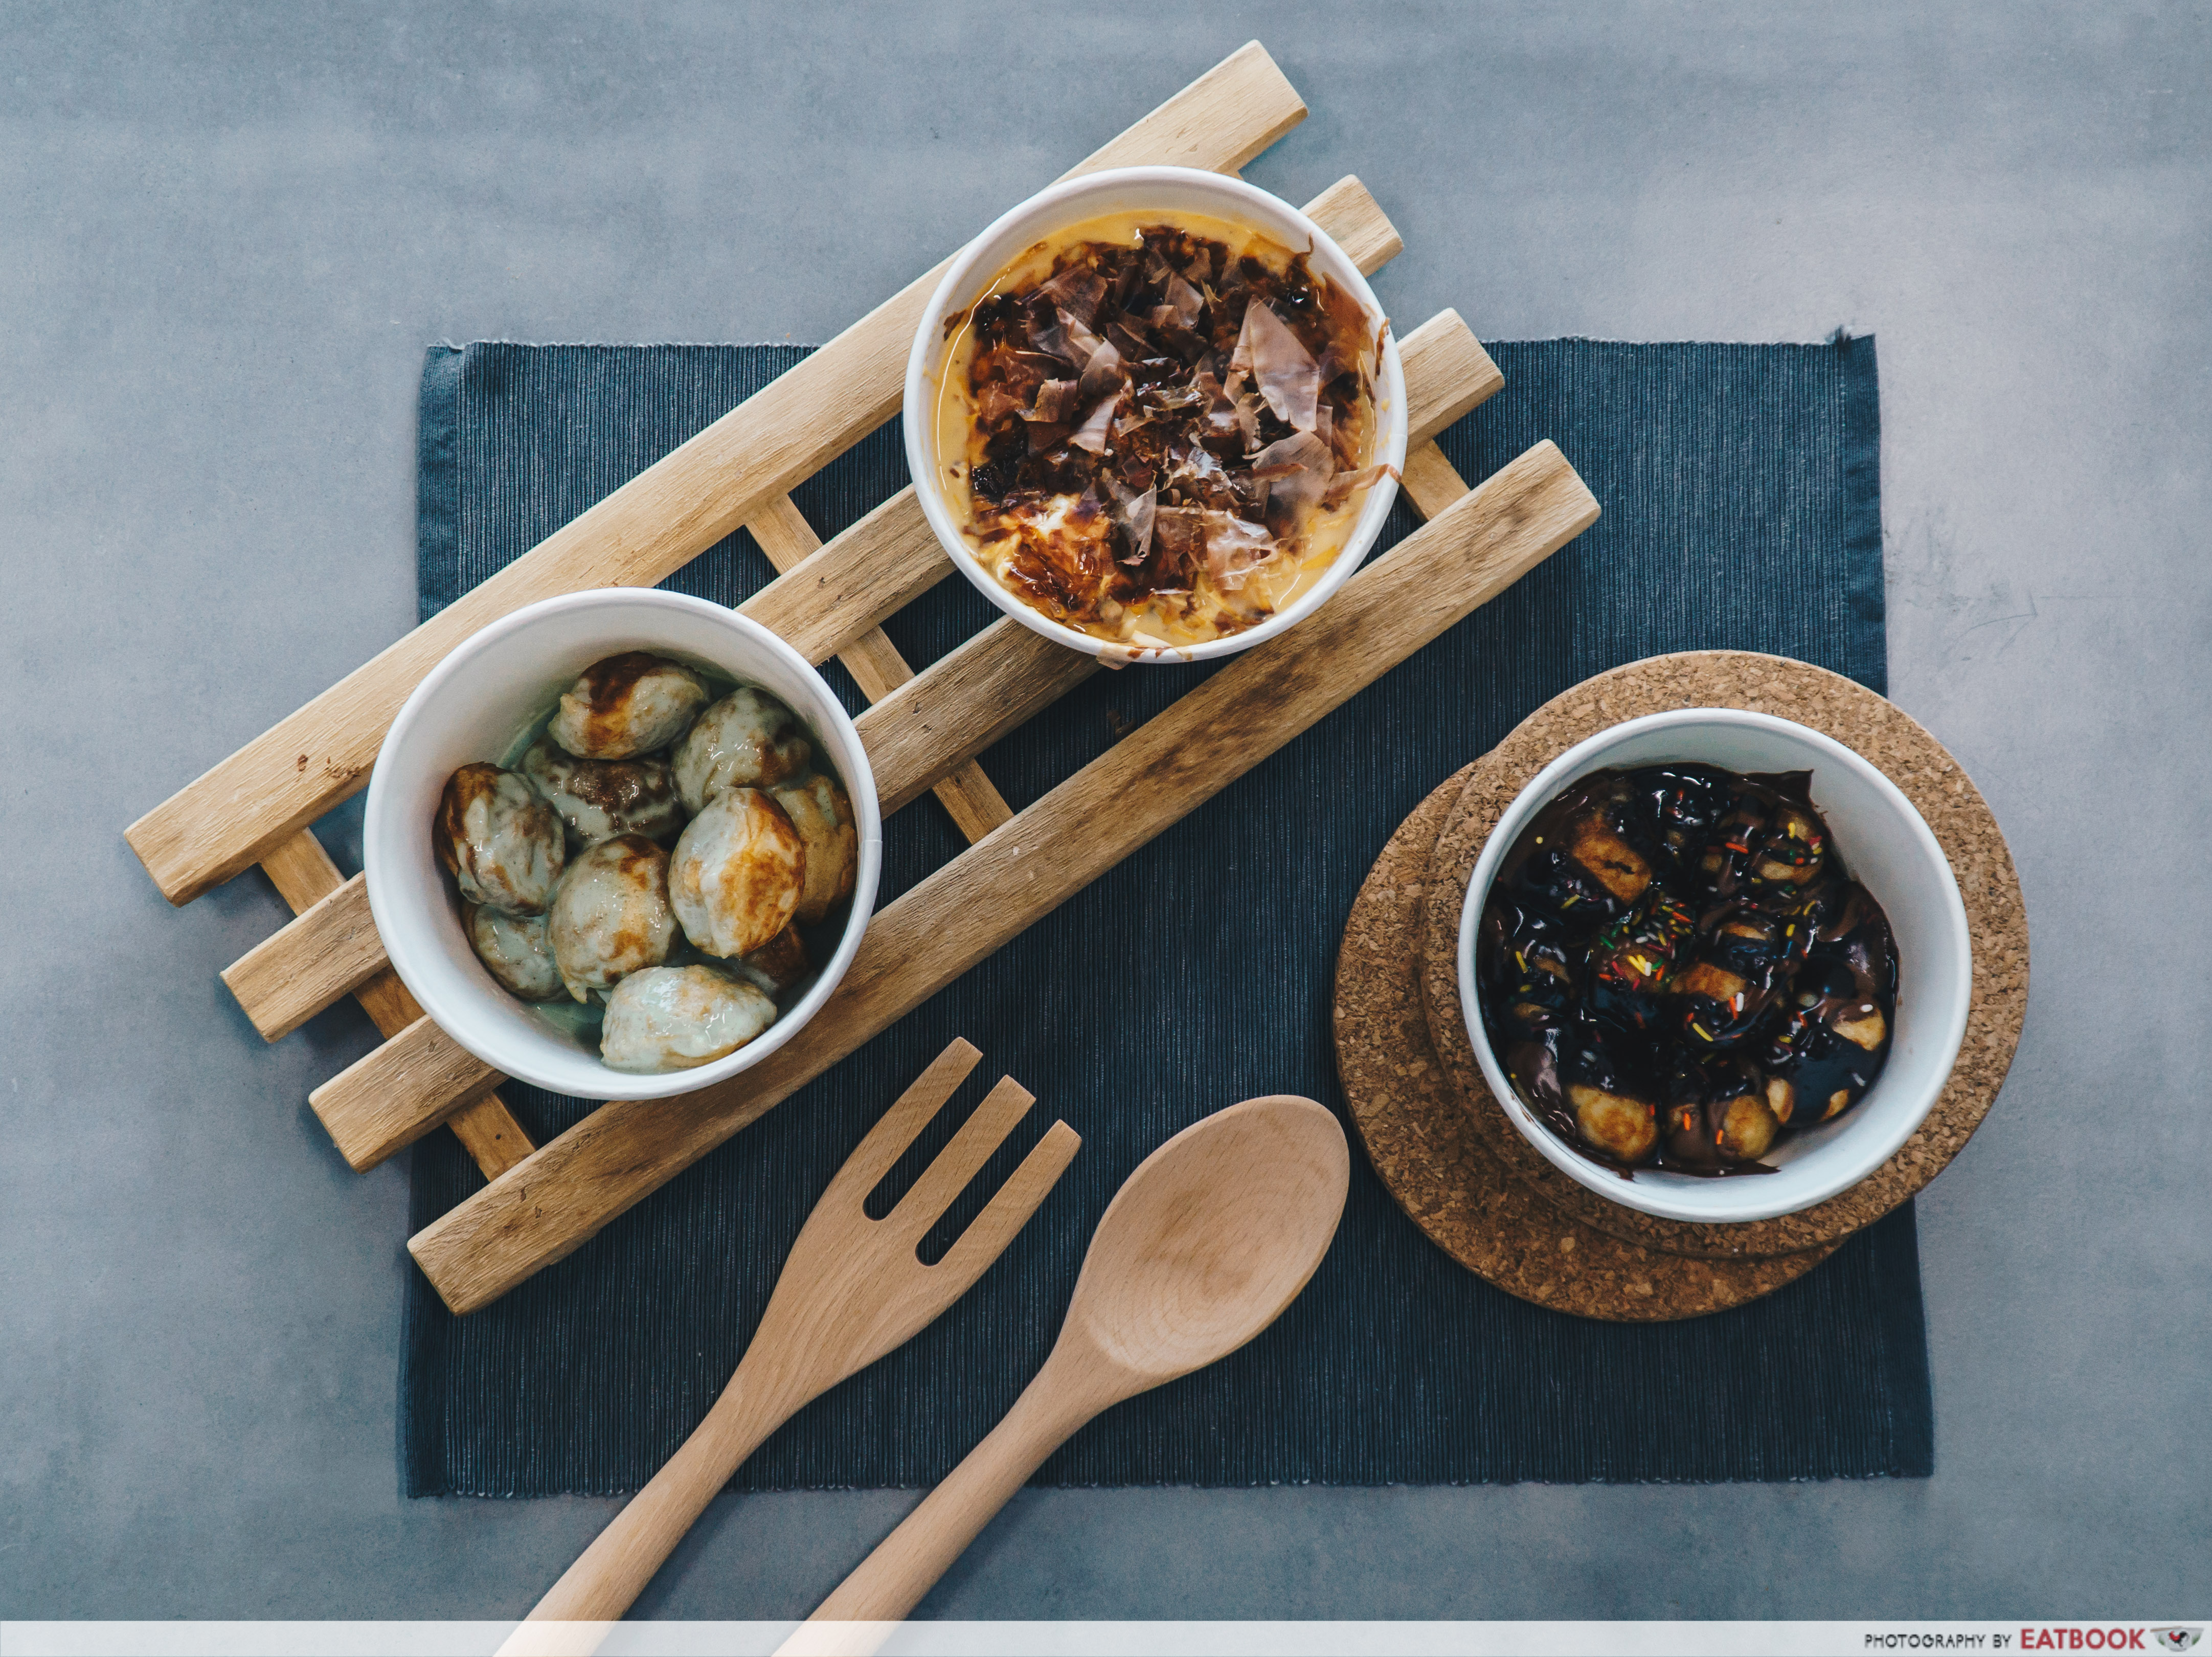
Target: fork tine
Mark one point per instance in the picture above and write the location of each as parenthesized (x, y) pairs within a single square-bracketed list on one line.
[(900, 1125), (1011, 1206), (958, 1163)]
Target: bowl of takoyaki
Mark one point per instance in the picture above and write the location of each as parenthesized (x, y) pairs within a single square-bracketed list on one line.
[(1710, 944), (622, 843)]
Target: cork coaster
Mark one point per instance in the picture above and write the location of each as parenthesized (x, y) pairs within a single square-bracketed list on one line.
[(1422, 1145), (1996, 921)]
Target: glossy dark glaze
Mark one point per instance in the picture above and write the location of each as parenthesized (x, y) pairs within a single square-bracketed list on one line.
[(1676, 970)]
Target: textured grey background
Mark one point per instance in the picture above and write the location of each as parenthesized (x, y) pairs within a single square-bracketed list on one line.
[(225, 236)]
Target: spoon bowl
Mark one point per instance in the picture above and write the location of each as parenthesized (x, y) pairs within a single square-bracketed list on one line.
[(1211, 1237)]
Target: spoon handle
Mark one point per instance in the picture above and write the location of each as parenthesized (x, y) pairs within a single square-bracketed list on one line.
[(579, 1610), (906, 1565)]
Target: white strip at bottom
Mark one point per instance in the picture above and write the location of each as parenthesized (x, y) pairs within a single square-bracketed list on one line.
[(1073, 1639)]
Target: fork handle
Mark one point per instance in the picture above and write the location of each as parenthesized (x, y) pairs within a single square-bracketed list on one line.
[(578, 1611), (891, 1581)]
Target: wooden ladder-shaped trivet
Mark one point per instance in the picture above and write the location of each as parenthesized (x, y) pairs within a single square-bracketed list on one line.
[(922, 733)]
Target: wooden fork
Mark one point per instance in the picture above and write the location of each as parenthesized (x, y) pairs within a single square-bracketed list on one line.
[(852, 1289)]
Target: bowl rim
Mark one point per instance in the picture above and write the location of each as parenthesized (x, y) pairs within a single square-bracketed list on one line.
[(919, 439), (380, 826), (1652, 1196)]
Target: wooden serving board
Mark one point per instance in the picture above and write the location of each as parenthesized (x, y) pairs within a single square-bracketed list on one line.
[(255, 805), (539, 1211), (922, 734)]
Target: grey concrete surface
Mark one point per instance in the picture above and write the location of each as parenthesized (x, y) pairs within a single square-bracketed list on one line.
[(225, 235)]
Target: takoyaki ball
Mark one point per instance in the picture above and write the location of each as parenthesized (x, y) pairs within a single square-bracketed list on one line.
[(746, 741), (1718, 1114), (612, 915), (823, 814), (1534, 1068), (779, 963), (677, 1018), (1605, 858), (1523, 958), (1862, 1024), (626, 704), (516, 950), (1622, 1127), (1795, 852), (1747, 1126), (739, 870), (501, 844), (598, 798), (1720, 1131)]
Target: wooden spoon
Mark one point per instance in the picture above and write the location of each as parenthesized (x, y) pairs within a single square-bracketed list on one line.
[(1202, 1249)]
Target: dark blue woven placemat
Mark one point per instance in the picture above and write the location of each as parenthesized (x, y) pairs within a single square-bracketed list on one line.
[(1741, 497)]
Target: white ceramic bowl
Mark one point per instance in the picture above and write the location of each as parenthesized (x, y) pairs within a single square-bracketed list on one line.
[(472, 706), (1887, 847), (1167, 191)]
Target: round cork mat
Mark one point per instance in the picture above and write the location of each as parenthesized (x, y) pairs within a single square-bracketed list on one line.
[(1876, 729), (1418, 1134)]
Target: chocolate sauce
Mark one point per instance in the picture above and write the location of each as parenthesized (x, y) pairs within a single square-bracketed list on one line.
[(1676, 970)]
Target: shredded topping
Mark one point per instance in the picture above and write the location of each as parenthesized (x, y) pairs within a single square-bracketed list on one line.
[(1160, 427)]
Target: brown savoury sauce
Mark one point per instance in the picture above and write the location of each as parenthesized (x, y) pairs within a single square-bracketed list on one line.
[(1676, 970)]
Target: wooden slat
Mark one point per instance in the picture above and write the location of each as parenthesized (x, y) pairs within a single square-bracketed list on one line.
[(831, 600), (789, 540), (651, 527), (870, 572), (393, 1096), (1355, 223), (488, 1132), (562, 1195), (1447, 374), (290, 977), (783, 533), (302, 871), (304, 875), (971, 696), (1430, 482)]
